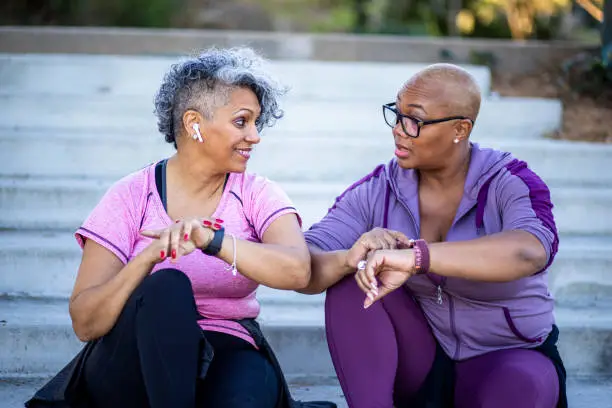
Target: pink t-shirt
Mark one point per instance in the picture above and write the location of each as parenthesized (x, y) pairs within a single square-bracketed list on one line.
[(248, 206)]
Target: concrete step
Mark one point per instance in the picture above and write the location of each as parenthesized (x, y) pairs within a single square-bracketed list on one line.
[(88, 75), (39, 203), (14, 391), (313, 159), (582, 392), (512, 118), (31, 328), (45, 265)]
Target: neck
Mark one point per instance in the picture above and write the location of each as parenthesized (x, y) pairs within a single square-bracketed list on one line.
[(196, 175), (450, 175)]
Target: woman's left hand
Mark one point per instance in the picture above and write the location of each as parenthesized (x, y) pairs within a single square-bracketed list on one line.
[(390, 267), (186, 235)]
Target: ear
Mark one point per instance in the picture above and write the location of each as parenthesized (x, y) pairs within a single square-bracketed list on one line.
[(463, 129), (190, 118)]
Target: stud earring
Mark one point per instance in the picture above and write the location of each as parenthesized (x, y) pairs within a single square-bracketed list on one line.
[(197, 135), (456, 140)]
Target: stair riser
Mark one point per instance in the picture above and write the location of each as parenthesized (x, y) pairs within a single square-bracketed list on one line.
[(306, 159), (510, 119), (577, 211), (299, 349), (88, 75), (575, 278)]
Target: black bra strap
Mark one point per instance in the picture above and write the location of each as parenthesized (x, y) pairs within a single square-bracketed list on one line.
[(160, 182)]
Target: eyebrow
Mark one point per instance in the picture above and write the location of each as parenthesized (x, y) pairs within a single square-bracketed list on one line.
[(416, 105), (244, 109)]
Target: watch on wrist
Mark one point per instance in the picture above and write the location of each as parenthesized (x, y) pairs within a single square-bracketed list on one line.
[(214, 246)]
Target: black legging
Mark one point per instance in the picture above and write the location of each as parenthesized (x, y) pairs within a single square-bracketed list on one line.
[(150, 357)]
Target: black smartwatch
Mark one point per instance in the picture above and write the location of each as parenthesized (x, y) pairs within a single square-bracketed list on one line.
[(214, 246)]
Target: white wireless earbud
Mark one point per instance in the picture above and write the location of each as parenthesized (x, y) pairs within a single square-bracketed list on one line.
[(197, 135)]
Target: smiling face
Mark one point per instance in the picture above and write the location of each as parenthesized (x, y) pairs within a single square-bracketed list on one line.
[(230, 133), (437, 92)]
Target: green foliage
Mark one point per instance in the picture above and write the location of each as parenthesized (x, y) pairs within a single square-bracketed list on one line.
[(122, 13)]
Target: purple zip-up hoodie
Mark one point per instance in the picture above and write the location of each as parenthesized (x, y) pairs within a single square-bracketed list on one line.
[(468, 318)]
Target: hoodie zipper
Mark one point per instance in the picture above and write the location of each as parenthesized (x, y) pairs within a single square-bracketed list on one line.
[(438, 284), (451, 304)]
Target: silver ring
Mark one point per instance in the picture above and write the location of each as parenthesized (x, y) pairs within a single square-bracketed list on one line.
[(361, 265)]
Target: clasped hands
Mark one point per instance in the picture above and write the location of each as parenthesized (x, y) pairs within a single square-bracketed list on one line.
[(181, 238), (388, 259)]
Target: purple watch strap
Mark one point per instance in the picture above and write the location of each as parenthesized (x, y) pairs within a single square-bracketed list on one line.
[(421, 256)]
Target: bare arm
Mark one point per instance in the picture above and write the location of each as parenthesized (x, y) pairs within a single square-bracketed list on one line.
[(327, 269), (102, 287), (281, 261), (330, 267), (501, 257)]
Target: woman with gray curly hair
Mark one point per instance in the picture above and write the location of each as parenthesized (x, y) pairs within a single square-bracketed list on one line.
[(173, 255)]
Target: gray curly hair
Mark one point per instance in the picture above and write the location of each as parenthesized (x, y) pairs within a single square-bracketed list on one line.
[(205, 82)]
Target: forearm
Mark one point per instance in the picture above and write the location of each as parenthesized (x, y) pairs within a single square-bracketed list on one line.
[(276, 266), (501, 257), (95, 310), (327, 268)]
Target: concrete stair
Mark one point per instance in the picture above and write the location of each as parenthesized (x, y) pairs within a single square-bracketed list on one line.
[(93, 124)]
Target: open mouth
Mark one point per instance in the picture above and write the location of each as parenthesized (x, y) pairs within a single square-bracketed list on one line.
[(401, 152), (246, 153)]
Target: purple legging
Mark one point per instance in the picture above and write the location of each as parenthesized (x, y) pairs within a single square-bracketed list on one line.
[(383, 354)]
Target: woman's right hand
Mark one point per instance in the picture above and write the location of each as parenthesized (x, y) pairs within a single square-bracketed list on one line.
[(180, 239), (375, 239)]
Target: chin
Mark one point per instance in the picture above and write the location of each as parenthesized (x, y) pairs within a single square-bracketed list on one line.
[(238, 168), (406, 164)]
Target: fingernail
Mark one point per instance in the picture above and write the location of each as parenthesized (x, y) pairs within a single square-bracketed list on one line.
[(374, 284), (177, 221), (375, 292), (370, 296), (217, 226), (207, 223), (162, 254), (174, 254), (218, 220), (186, 237)]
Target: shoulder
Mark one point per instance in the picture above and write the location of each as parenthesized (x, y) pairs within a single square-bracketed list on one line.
[(517, 178), (367, 186), (255, 185), (131, 189)]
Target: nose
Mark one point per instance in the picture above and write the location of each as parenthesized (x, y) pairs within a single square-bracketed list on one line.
[(398, 131), (253, 136)]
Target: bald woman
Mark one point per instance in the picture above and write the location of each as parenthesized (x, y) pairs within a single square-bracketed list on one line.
[(435, 266)]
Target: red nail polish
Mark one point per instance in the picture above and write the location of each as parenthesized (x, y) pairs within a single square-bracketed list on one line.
[(186, 237), (207, 223), (218, 220), (217, 226), (174, 254), (162, 255)]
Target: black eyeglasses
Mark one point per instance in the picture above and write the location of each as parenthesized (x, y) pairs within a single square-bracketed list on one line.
[(412, 126)]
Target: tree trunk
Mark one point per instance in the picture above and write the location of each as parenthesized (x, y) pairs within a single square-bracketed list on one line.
[(606, 35), (361, 17)]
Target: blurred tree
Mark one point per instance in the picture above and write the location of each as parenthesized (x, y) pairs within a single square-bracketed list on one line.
[(523, 17), (606, 35)]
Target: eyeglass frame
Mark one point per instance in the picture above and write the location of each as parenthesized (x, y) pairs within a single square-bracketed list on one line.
[(420, 123)]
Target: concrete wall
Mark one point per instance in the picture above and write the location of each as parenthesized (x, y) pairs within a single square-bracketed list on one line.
[(508, 56)]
